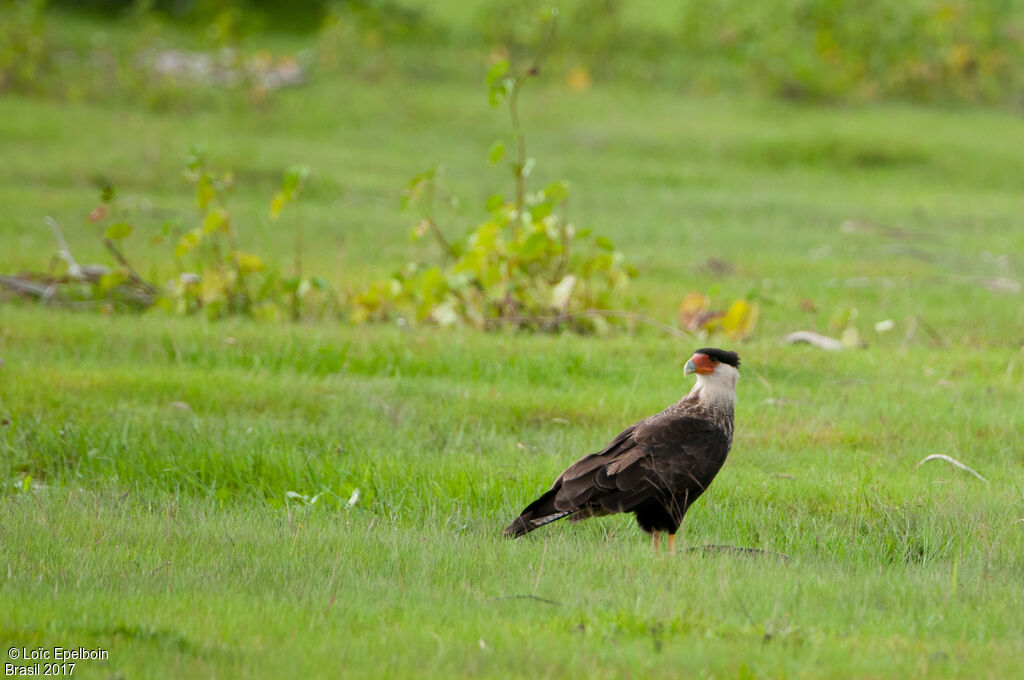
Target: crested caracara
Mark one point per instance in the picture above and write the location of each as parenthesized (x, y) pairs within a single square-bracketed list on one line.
[(655, 468)]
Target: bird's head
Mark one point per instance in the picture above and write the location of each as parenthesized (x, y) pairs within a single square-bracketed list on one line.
[(717, 371)]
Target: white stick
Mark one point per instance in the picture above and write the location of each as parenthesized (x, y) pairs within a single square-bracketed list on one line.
[(952, 461)]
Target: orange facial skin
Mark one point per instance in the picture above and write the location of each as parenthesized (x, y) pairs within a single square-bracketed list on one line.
[(700, 363)]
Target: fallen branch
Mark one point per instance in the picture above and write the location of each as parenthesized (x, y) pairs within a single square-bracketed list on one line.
[(526, 597), (64, 290), (572, 316), (814, 339), (23, 286), (737, 549), (954, 462)]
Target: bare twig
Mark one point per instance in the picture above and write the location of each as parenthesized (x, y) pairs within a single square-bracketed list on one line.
[(954, 462)]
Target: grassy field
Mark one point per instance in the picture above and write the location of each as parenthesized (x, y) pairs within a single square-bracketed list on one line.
[(319, 500)]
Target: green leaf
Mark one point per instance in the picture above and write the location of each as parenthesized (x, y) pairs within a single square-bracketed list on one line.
[(498, 91), (294, 177), (196, 156), (490, 276), (601, 263), (497, 71), (494, 202), (111, 280), (535, 245), (217, 220), (557, 191), (248, 262), (604, 242), (541, 210), (277, 204), (188, 242), (204, 192), (496, 153), (118, 231)]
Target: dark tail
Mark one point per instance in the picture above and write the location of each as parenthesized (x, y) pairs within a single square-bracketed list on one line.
[(538, 513)]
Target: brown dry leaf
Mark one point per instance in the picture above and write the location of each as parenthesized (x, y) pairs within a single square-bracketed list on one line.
[(98, 213)]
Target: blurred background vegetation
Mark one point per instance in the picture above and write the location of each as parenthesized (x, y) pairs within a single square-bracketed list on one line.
[(835, 50), (695, 130)]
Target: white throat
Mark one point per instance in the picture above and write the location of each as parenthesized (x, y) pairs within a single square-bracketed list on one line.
[(718, 387)]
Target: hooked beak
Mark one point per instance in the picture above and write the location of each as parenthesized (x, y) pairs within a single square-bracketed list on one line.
[(699, 363)]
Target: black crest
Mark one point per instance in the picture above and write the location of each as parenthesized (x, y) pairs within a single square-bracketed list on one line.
[(722, 355)]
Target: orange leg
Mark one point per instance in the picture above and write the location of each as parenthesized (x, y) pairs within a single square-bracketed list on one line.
[(671, 544), (656, 540)]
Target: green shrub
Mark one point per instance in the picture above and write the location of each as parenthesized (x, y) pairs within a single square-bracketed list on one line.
[(526, 265), (25, 53)]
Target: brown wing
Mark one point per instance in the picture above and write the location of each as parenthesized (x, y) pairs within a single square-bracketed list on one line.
[(659, 458), (678, 456), (574, 482)]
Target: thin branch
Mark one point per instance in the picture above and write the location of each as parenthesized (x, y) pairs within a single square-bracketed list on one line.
[(149, 288), (445, 244), (513, 109)]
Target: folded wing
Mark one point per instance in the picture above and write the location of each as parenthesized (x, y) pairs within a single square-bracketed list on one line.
[(661, 459)]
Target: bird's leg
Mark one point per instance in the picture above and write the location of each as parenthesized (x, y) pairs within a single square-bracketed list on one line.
[(671, 544), (656, 540)]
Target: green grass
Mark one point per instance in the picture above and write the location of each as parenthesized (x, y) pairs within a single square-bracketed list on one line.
[(147, 460), (166, 535)]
